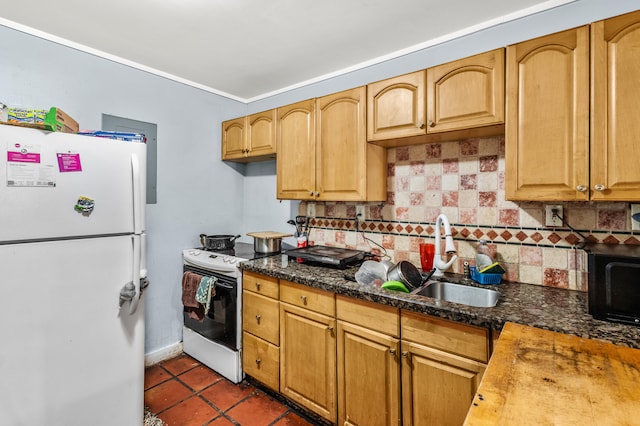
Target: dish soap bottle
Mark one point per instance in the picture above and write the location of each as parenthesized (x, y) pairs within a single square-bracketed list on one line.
[(483, 256)]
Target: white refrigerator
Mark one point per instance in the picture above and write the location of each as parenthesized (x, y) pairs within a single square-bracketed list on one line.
[(72, 273)]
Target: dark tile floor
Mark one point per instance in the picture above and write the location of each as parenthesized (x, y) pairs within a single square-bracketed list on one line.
[(183, 392)]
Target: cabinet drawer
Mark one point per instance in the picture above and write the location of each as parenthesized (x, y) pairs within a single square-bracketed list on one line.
[(373, 316), (308, 297), (450, 336), (261, 284), (260, 316), (261, 360)]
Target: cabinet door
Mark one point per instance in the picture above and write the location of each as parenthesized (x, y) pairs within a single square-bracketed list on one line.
[(466, 93), (615, 128), (368, 377), (261, 134), (308, 359), (437, 387), (396, 107), (547, 127), (296, 144), (261, 316), (347, 168), (234, 136), (261, 360)]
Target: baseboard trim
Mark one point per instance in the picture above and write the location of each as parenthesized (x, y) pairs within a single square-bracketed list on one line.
[(163, 354)]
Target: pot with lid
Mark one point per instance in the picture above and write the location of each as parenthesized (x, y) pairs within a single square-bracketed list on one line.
[(267, 242), (218, 242)]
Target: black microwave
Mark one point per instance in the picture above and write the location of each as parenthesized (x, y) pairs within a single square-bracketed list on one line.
[(614, 282)]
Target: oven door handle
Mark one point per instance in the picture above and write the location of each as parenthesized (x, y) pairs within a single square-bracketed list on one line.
[(225, 286)]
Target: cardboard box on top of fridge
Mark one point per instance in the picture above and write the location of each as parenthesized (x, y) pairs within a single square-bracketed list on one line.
[(59, 121), (54, 119), (25, 115)]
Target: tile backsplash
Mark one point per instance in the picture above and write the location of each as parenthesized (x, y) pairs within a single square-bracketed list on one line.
[(465, 181)]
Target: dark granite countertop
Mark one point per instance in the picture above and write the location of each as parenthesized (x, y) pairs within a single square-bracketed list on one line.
[(548, 308)]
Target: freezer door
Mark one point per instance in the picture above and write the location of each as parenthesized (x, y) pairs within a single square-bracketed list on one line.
[(45, 175), (70, 355)]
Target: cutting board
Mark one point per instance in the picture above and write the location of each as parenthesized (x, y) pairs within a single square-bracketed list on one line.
[(268, 234), (539, 377)]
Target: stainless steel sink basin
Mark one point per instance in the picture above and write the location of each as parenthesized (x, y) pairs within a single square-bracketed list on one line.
[(457, 293)]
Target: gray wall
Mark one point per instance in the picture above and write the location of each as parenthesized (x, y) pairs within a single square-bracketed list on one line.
[(196, 191)]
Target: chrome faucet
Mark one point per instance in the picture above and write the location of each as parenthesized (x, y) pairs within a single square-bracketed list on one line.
[(438, 263)]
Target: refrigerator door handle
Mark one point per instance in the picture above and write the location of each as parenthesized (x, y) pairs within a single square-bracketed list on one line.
[(138, 220), (135, 278)]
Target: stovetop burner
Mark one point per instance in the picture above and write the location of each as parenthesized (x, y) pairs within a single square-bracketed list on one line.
[(241, 250)]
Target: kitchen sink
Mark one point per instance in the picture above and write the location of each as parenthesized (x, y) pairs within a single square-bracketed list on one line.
[(457, 293)]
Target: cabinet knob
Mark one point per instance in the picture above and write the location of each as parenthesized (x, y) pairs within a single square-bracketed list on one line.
[(330, 329), (258, 318), (599, 187), (405, 354), (581, 188), (421, 125), (304, 299), (257, 286), (317, 194), (392, 351), (311, 193), (258, 361), (431, 123)]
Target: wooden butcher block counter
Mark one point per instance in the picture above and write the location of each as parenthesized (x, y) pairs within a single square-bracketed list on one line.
[(539, 377)]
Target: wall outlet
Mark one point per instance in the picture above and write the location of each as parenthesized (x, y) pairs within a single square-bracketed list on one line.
[(550, 219), (360, 212), (635, 210), (311, 210)]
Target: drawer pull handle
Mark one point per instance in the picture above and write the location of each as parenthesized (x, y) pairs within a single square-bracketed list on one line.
[(258, 318), (304, 299)]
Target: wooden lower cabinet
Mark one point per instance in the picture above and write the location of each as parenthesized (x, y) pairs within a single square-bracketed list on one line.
[(354, 362), (368, 377), (443, 362), (368, 363), (437, 387), (308, 359), (261, 360), (261, 329)]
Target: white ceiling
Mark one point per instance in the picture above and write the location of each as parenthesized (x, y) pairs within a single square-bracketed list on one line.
[(249, 49)]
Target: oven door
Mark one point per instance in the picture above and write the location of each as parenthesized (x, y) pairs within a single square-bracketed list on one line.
[(220, 323)]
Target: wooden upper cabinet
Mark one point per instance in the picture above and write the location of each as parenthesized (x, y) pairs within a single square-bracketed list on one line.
[(615, 102), (466, 93), (323, 153), (459, 99), (234, 138), (347, 168), (250, 138), (296, 142), (547, 126), (396, 107)]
